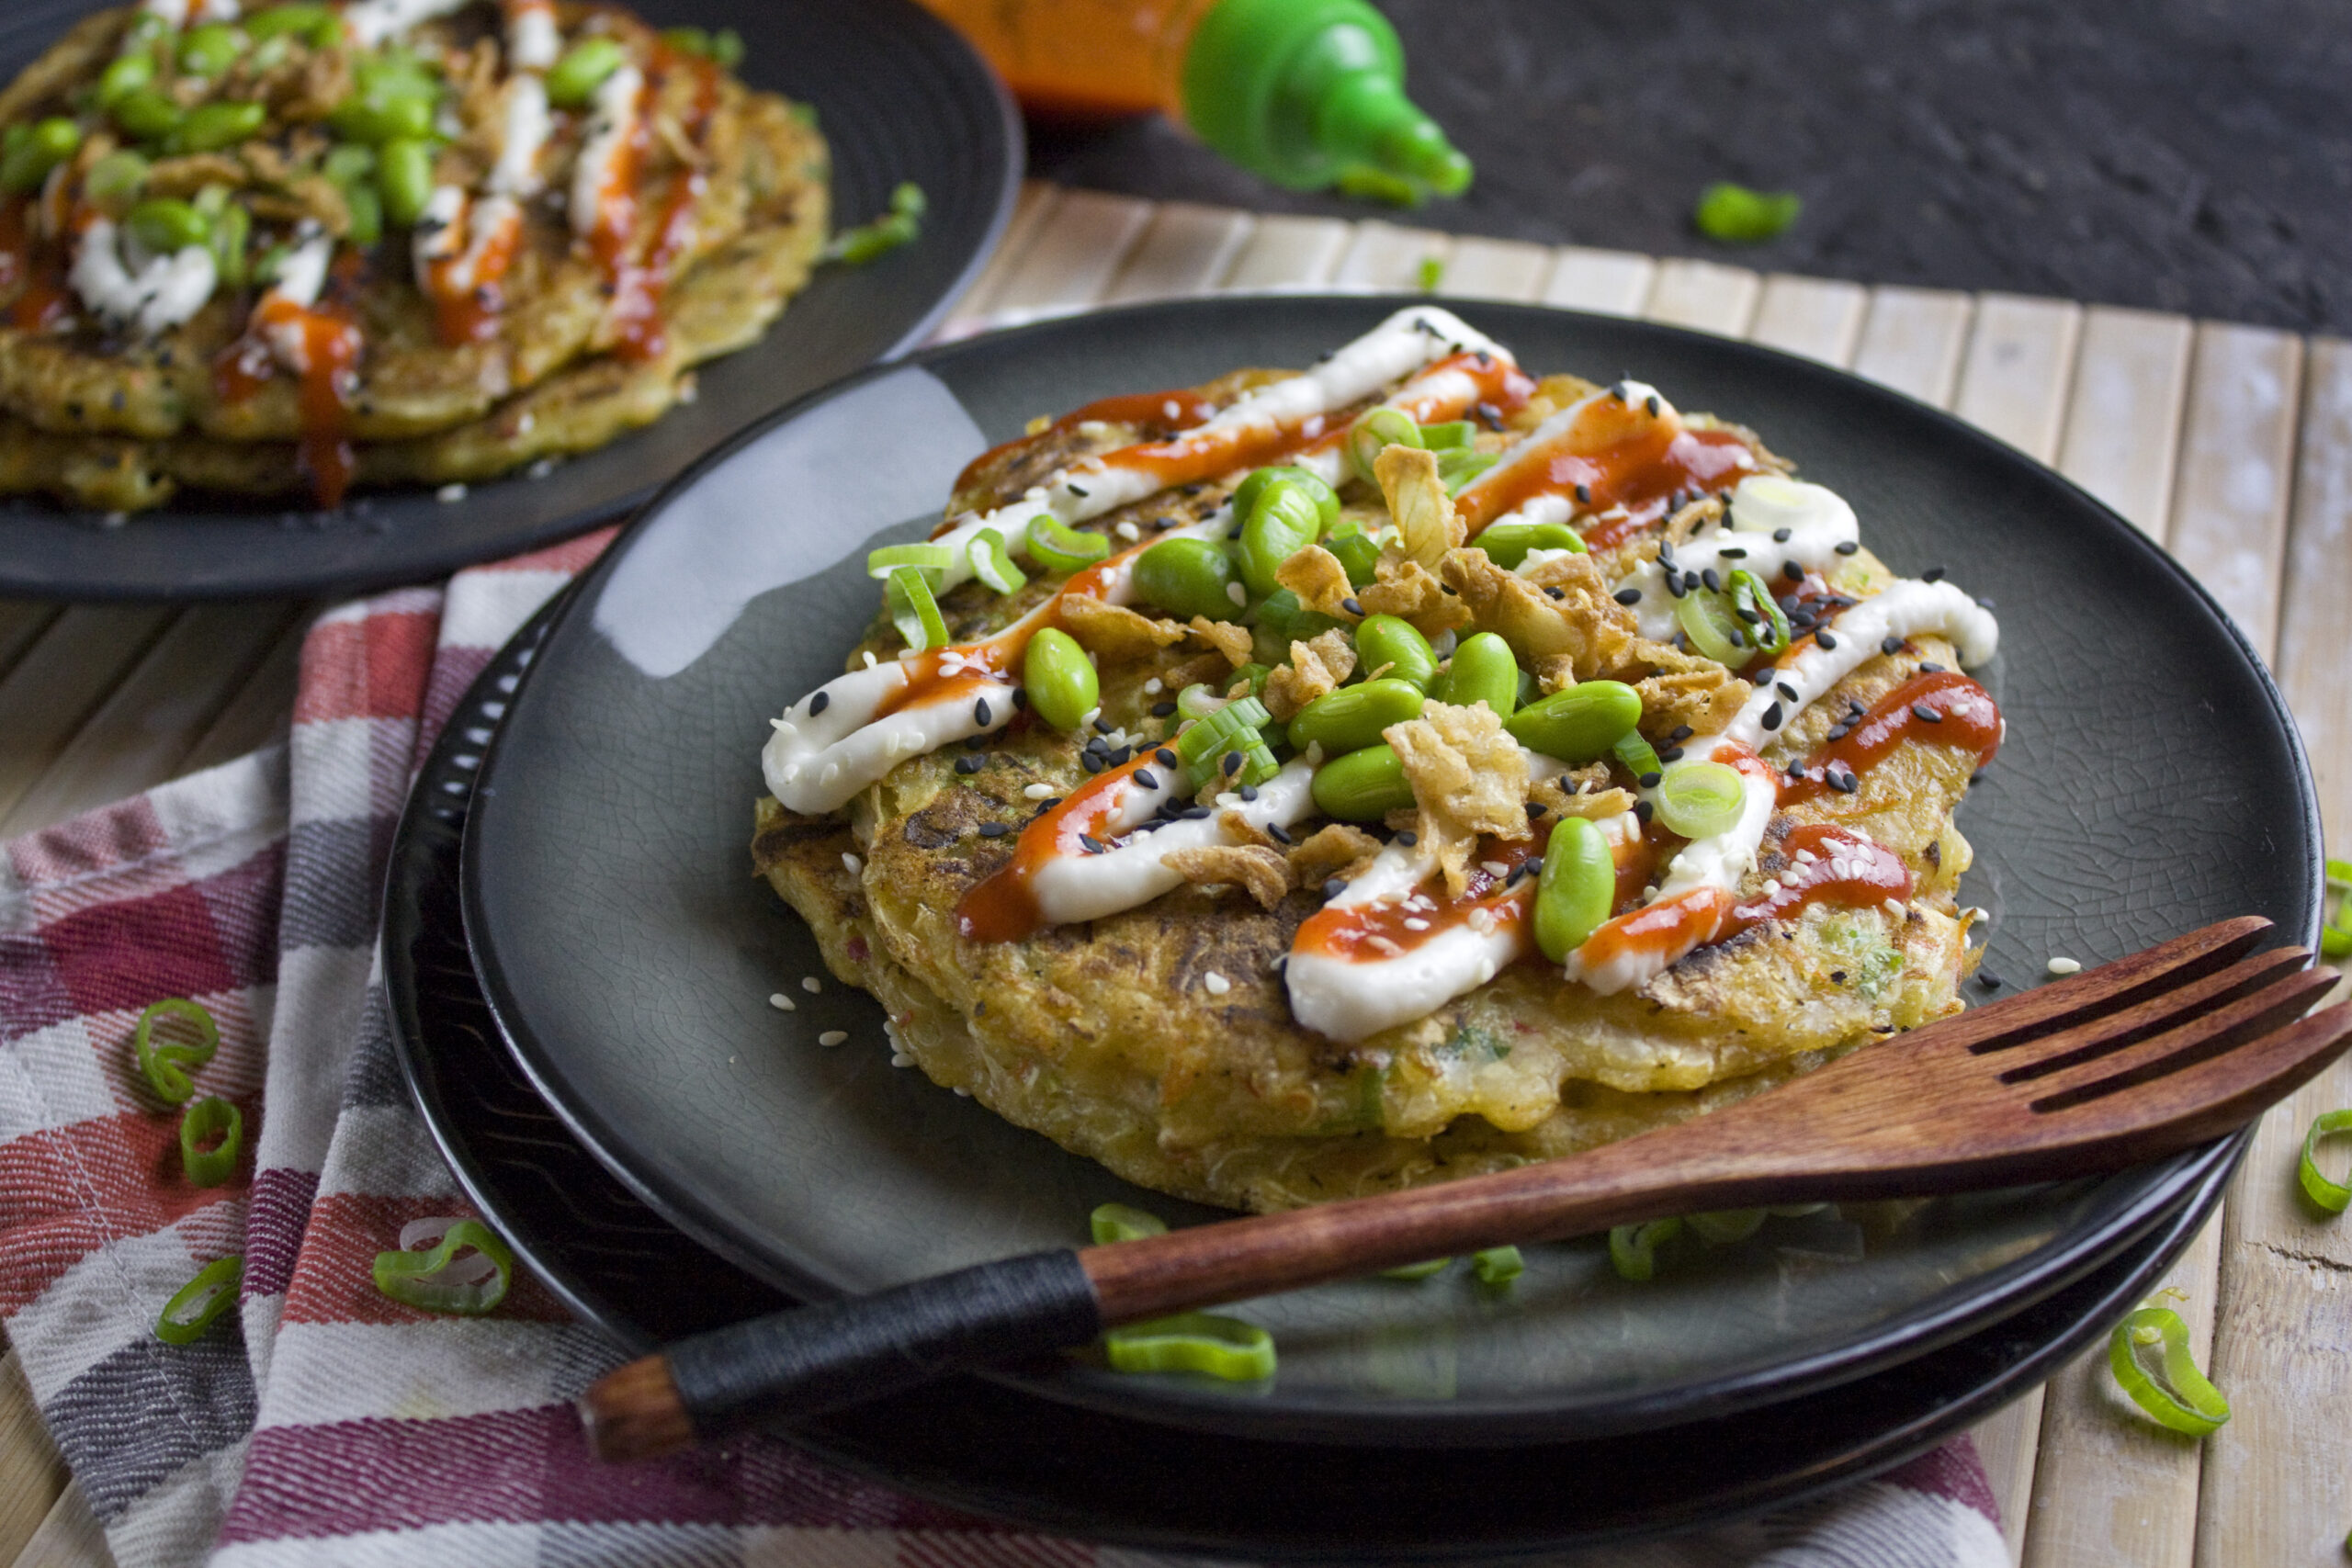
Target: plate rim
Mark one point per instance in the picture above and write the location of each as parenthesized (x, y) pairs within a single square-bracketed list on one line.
[(1934, 1320), (428, 563)]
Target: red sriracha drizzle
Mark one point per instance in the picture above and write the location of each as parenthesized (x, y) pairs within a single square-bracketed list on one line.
[(1004, 906)]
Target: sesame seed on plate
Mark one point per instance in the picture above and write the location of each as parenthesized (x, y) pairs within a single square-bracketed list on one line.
[(1128, 532), (810, 983), (781, 1002), (833, 1037), (851, 863), (2065, 966)]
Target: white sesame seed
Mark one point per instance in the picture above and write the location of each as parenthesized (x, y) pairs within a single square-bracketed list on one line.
[(2065, 966), (1771, 886), (688, 390), (1038, 792), (1381, 944), (1494, 868), (1417, 924), (1087, 719), (1228, 798), (450, 493), (851, 863), (1233, 590), (963, 1093), (900, 1059), (1170, 410), (1128, 532), (870, 660), (541, 469), (810, 984), (1154, 686), (1093, 429), (1894, 907), (781, 1002), (832, 1037), (1216, 984)]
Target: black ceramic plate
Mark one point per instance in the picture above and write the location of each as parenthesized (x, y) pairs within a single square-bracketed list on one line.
[(995, 1449), (899, 96), (2151, 782)]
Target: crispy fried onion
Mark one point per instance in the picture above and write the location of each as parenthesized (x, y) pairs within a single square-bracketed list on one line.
[(1315, 669), (1469, 777), (1406, 589), (1416, 500), (1316, 575), (1233, 641), (1334, 850), (1258, 871), (1678, 688), (1560, 610), (1113, 631)]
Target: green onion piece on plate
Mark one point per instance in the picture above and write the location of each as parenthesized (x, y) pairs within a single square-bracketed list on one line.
[(1417, 1270), (466, 1271), (1750, 593), (1059, 547), (1375, 431), (932, 560), (992, 563), (1633, 1249), (1721, 1227), (1738, 216), (913, 610), (2333, 1196), (1123, 1221), (165, 1064), (1204, 745), (1636, 754), (195, 1304), (2336, 938), (1498, 1265), (1431, 273), (1707, 619), (1700, 799), (208, 1119), (1202, 1342), (2191, 1404)]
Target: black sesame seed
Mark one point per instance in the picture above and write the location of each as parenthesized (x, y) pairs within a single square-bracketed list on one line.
[(1989, 980), (1785, 690), (1681, 732), (819, 703), (1644, 811), (1744, 614), (994, 830), (1733, 552), (1091, 761), (1094, 845), (1164, 757), (1103, 726), (1793, 571), (1839, 732), (1669, 753), (1929, 667), (981, 714), (1020, 698), (1335, 886), (1248, 792), (1848, 546), (1232, 763), (1653, 405), (1146, 778), (1074, 491), (1824, 640), (968, 764), (1836, 976), (1781, 536), (1847, 783), (976, 743), (1119, 756), (1198, 814), (1161, 525), (1925, 714), (1096, 747), (1162, 710), (1557, 593), (1673, 584), (1714, 584), (1889, 645), (1535, 808), (1279, 833), (1408, 837), (1617, 391), (1351, 606), (1772, 716), (1629, 595), (1933, 574), (1584, 495), (1490, 415), (1650, 780), (1048, 804)]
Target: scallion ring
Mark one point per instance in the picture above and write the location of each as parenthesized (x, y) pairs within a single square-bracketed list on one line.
[(1450, 436), (992, 563), (1698, 799), (1421, 1270), (1198, 700), (1498, 1265), (2191, 1405), (1636, 753), (1224, 1347), (2333, 1196), (166, 1064), (2336, 938), (211, 1117), (1706, 618), (1721, 1227), (1061, 548), (195, 1305), (1123, 1221), (439, 1278), (1376, 431), (913, 610), (1770, 631), (1633, 1249), (932, 560)]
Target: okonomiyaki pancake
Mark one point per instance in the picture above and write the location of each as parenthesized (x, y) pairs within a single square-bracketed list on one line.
[(1311, 784), (298, 247)]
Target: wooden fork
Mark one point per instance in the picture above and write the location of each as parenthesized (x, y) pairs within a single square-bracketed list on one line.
[(2142, 1058)]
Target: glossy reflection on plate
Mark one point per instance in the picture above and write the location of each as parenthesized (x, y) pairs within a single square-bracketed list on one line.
[(629, 955)]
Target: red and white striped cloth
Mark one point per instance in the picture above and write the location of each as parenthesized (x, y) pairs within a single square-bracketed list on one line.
[(340, 1427)]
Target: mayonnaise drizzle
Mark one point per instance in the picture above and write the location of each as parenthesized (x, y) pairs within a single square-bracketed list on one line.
[(532, 41), (373, 22), (1818, 520), (164, 292), (614, 121), (1090, 887), (524, 130)]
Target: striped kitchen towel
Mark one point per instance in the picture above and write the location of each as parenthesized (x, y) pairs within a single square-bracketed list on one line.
[(325, 1424)]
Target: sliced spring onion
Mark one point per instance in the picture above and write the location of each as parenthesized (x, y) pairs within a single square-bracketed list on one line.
[(1707, 619), (1721, 1227), (1203, 746), (1417, 1270), (1633, 1249), (1373, 433), (165, 1064), (1431, 273), (210, 1118), (1457, 468), (992, 563), (1198, 700), (1738, 216), (1698, 799), (932, 560), (1202, 1342), (1061, 548), (2336, 938), (913, 610), (2191, 1405), (195, 1305), (1636, 753), (897, 227), (1442, 438), (1498, 1265), (440, 1279), (2333, 1196), (1750, 594), (1123, 1221), (1358, 555)]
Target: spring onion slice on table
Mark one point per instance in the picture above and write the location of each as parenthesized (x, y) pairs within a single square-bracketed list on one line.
[(1123, 1221), (1222, 1348), (195, 1305), (1498, 1265), (165, 1064), (439, 1279), (2330, 1195), (1633, 1249), (2191, 1405), (2336, 937), (208, 1119)]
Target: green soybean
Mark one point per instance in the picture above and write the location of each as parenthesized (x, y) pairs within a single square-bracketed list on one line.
[(1506, 544), (1580, 724), (1483, 671), (207, 128), (37, 148), (166, 226), (114, 181), (1187, 578), (1576, 889), (209, 49), (1352, 718), (1282, 522), (404, 179), (1327, 501), (1063, 686), (366, 210), (315, 24), (581, 71), (1385, 640), (1362, 786), (348, 163), (376, 120), (124, 75), (146, 114)]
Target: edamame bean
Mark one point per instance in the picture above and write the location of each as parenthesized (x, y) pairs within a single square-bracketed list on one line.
[(207, 128), (1063, 686), (1188, 578), (404, 176), (1284, 522), (231, 230), (726, 49), (212, 49), (1385, 640), (124, 75), (166, 226), (1483, 671), (583, 69), (146, 114), (314, 23), (376, 120), (1580, 724), (1508, 544), (1326, 503), (1362, 786), (1576, 889), (1352, 718), (35, 150), (114, 181), (366, 210)]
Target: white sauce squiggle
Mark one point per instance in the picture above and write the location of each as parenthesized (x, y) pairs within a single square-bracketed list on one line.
[(164, 292), (1817, 521), (1089, 887)]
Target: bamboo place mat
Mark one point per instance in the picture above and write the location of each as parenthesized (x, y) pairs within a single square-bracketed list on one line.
[(2229, 446)]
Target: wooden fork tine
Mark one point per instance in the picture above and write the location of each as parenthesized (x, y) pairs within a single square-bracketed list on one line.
[(2105, 1035), (2212, 1031)]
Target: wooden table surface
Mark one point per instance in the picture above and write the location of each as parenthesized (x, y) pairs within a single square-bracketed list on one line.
[(2229, 446)]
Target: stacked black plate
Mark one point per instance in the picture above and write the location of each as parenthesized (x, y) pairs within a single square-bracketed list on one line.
[(581, 965)]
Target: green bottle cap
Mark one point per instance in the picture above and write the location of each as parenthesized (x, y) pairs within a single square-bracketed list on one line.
[(1310, 94)]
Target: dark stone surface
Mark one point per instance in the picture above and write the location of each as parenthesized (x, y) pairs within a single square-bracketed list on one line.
[(2181, 154)]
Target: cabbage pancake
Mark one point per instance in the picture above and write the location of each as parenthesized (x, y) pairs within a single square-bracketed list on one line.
[(286, 250), (1308, 785)]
